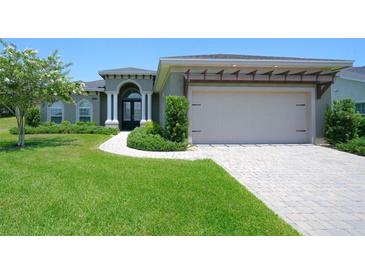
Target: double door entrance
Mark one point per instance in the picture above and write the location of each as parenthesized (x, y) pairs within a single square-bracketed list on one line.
[(131, 110)]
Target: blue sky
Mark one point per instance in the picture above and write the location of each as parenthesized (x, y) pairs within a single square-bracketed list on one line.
[(91, 55)]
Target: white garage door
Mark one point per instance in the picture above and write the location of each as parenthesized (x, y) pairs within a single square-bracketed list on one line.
[(249, 117)]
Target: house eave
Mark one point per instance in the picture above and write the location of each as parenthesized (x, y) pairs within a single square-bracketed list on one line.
[(259, 62), (165, 65)]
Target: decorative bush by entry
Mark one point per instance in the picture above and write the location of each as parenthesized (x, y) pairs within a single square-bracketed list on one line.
[(355, 146), (149, 138), (342, 122), (362, 127), (33, 117), (66, 127), (177, 123)]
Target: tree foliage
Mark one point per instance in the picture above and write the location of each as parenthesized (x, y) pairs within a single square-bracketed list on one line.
[(26, 80)]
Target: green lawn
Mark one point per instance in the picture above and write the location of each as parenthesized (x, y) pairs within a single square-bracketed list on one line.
[(63, 185)]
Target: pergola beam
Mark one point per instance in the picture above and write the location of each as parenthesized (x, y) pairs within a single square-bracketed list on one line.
[(237, 72), (317, 74), (301, 74), (205, 73), (284, 73), (221, 73), (322, 84), (187, 73), (253, 73), (269, 73)]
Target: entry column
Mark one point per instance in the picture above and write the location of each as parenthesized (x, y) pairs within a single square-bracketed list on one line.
[(115, 109), (149, 108), (108, 121), (143, 101)]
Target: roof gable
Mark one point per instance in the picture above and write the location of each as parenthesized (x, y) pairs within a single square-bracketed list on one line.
[(353, 73), (98, 85)]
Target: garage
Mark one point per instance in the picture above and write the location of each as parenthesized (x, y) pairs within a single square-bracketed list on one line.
[(250, 116)]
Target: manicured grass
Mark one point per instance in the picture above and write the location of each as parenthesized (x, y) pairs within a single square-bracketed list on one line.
[(63, 185)]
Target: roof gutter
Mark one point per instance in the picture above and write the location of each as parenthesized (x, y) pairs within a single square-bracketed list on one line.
[(255, 62)]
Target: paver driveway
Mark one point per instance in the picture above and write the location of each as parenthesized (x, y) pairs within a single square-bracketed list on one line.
[(318, 190)]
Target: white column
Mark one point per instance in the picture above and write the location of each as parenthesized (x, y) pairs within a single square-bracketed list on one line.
[(109, 108), (143, 120), (149, 108), (115, 108)]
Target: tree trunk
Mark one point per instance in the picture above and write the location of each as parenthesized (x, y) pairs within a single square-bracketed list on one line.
[(21, 130)]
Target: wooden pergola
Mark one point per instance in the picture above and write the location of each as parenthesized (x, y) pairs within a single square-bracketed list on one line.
[(321, 79)]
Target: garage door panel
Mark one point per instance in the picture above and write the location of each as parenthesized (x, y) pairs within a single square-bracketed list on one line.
[(244, 117)]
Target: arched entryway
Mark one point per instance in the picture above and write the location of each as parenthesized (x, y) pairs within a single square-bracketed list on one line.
[(131, 110), (127, 105)]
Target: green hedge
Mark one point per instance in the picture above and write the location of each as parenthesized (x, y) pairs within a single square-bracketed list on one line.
[(356, 146), (67, 127), (33, 117), (148, 138), (177, 122), (342, 122), (362, 127)]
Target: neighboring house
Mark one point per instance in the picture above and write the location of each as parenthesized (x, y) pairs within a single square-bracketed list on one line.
[(350, 84), (233, 98)]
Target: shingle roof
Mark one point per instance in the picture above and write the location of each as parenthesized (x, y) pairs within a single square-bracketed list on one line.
[(128, 70), (245, 57), (94, 85), (357, 73)]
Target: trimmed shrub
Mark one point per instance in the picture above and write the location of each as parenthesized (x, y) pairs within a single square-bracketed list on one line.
[(33, 117), (355, 146), (154, 128), (342, 122), (177, 122), (141, 138), (362, 127), (66, 128)]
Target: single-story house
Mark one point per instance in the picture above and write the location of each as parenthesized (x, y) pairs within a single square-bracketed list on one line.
[(233, 98), (350, 84)]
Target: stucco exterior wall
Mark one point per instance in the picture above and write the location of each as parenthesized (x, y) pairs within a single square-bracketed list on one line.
[(340, 89), (112, 84), (348, 89), (321, 105), (155, 108), (174, 86), (70, 109)]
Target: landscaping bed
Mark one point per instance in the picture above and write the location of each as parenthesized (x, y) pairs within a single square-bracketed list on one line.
[(345, 128), (140, 139), (355, 146), (149, 138), (173, 137), (67, 128)]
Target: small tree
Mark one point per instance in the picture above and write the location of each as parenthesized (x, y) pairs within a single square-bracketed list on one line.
[(342, 122), (26, 80), (177, 122)]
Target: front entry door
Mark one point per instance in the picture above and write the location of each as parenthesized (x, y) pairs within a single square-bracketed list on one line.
[(132, 114)]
